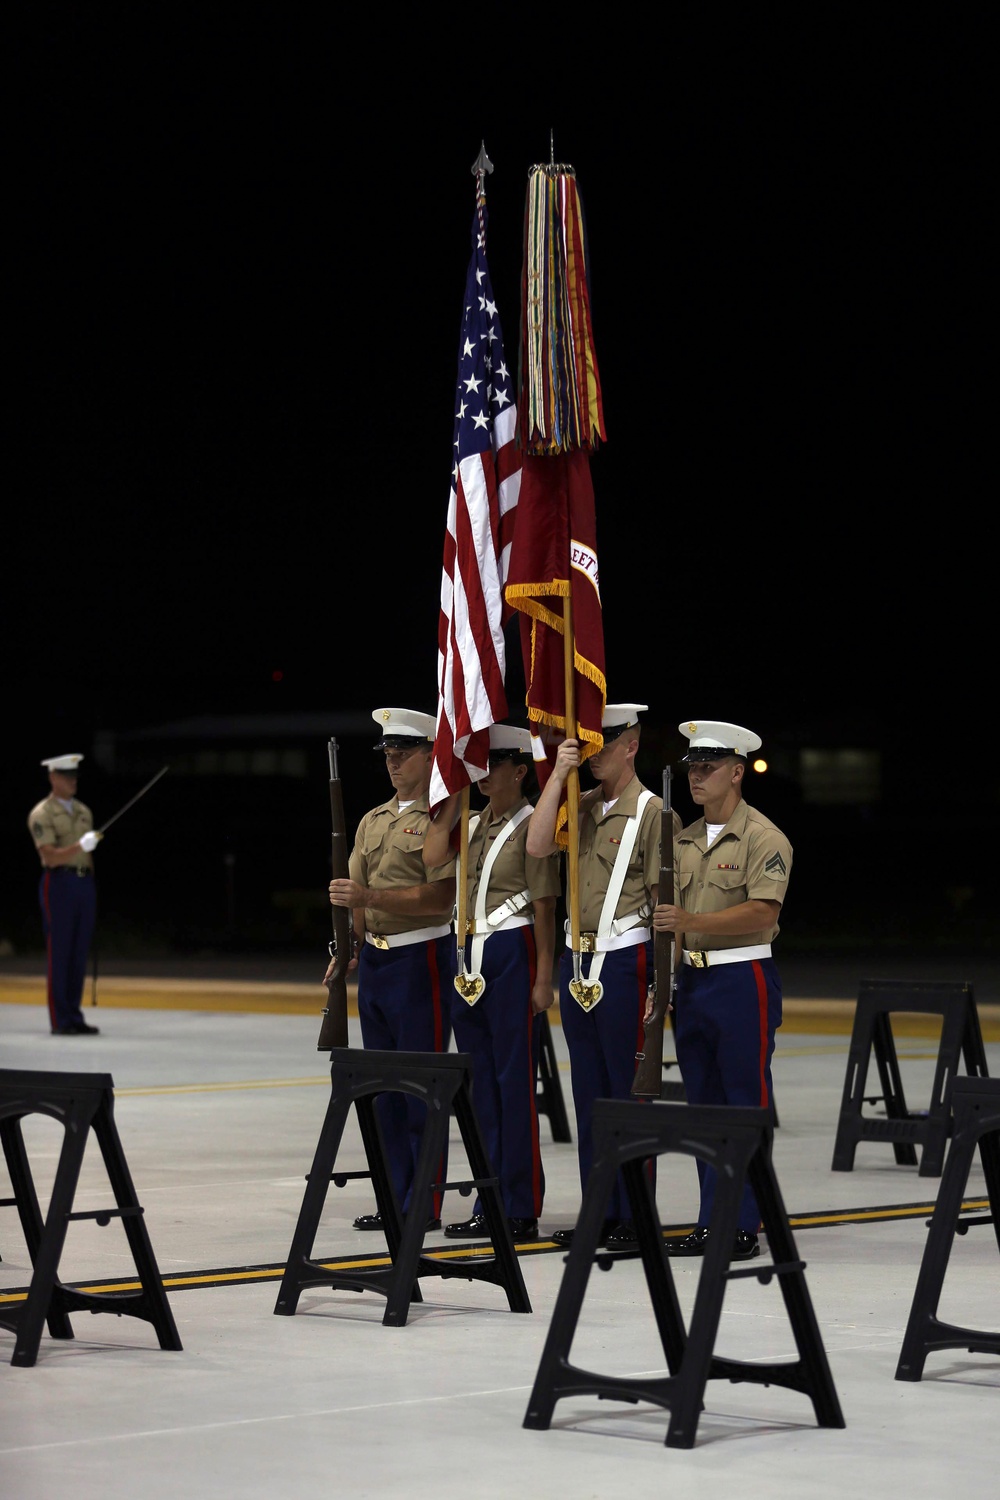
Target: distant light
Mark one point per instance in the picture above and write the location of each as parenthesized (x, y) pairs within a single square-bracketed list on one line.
[(277, 676), (760, 765)]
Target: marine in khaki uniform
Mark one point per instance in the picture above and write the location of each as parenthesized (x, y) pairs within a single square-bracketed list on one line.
[(733, 866), (402, 921), (62, 829), (506, 980), (619, 868)]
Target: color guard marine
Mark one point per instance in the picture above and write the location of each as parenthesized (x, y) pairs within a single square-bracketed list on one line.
[(503, 968), (619, 866), (733, 866), (402, 923)]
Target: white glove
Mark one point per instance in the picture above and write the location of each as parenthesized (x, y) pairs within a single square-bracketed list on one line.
[(90, 840)]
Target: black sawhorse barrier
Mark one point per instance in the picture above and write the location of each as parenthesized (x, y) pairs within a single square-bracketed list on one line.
[(976, 1115), (961, 1038), (80, 1102), (549, 1094), (737, 1142), (443, 1081)]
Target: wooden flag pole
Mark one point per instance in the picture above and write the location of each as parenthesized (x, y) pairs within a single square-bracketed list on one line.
[(572, 785), (583, 992), (462, 892), (469, 986)]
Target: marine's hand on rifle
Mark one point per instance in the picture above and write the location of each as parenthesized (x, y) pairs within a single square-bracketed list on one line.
[(347, 893), (669, 918), (352, 962)]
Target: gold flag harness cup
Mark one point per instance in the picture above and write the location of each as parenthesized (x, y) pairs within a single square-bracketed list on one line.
[(469, 983), (588, 992)]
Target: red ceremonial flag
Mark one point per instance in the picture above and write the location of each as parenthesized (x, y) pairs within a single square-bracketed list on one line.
[(481, 508), (553, 572)]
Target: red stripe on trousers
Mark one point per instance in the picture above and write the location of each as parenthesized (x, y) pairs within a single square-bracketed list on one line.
[(758, 974), (435, 973), (536, 1149), (640, 1035), (48, 974), (640, 1031)]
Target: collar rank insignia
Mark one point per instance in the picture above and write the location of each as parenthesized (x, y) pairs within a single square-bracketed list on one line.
[(776, 867), (727, 867)]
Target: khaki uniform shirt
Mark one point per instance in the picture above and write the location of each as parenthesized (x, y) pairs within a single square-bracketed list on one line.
[(50, 823), (513, 869), (387, 852), (600, 837), (750, 860)]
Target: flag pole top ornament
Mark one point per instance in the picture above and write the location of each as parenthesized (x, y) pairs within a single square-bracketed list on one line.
[(711, 740), (482, 163), (552, 166)]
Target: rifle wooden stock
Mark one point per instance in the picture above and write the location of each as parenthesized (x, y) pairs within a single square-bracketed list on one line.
[(333, 1032), (648, 1080)]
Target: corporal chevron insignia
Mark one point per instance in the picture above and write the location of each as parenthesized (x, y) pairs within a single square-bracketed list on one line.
[(775, 867)]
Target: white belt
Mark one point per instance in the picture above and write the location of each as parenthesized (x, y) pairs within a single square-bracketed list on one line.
[(485, 927), (401, 939), (591, 943), (707, 958)]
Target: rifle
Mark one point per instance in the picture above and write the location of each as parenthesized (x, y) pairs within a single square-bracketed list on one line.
[(648, 1080), (333, 1032)]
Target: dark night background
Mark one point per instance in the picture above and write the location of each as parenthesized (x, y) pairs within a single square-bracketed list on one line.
[(238, 259)]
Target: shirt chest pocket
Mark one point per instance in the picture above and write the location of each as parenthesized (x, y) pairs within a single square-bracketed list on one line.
[(606, 847), (725, 884)]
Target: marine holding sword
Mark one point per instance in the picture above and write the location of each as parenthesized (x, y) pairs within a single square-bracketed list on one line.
[(402, 923), (503, 974), (733, 869), (619, 861), (62, 828)]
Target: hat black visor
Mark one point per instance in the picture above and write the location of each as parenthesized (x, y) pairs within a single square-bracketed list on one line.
[(707, 753), (402, 742), (615, 730)]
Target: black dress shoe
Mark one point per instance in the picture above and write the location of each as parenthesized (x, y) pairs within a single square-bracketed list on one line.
[(468, 1228), (622, 1237), (746, 1246), (524, 1229), (565, 1236), (374, 1221), (695, 1243), (76, 1028), (368, 1221)]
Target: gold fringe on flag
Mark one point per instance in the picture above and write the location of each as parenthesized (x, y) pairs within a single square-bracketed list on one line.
[(560, 402)]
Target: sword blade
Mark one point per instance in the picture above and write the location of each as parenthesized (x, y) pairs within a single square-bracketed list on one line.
[(133, 800)]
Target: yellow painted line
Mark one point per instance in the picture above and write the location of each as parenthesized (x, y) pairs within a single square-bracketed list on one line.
[(223, 1088), (816, 1017), (471, 1252)]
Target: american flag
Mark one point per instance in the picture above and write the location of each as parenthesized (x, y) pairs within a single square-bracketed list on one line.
[(485, 484)]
